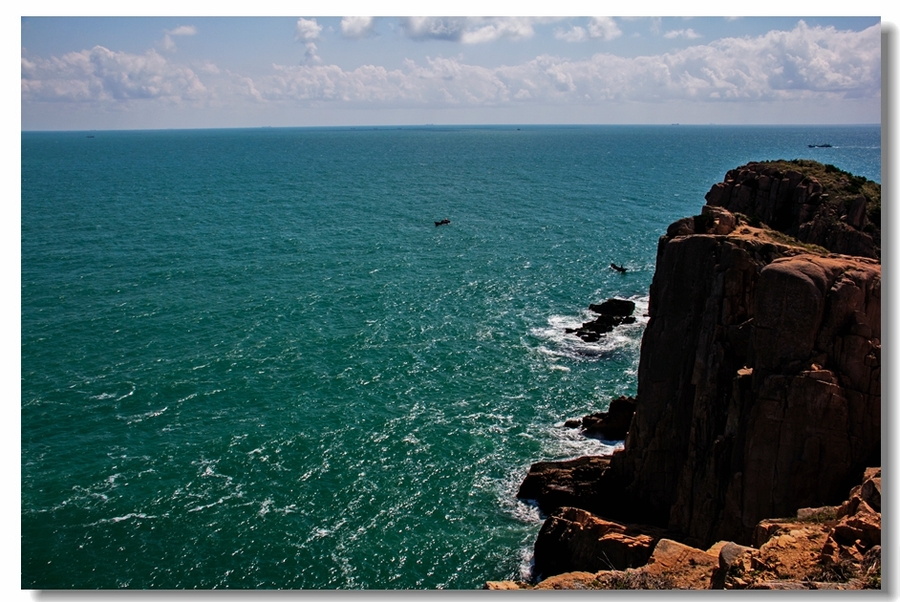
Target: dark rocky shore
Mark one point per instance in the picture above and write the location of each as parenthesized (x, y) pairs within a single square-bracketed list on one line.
[(752, 457)]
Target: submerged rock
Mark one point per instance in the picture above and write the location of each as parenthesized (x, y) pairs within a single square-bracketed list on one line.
[(613, 312)]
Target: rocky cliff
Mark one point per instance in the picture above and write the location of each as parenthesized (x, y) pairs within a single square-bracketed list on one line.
[(759, 378)]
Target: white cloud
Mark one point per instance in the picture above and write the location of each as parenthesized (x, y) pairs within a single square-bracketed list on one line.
[(209, 67), (603, 28), (183, 30), (512, 28), (804, 64), (100, 75), (782, 65), (468, 30), (576, 34), (433, 28), (168, 44), (357, 27), (689, 34), (308, 30)]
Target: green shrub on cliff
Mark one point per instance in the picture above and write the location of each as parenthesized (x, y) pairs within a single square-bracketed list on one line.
[(840, 186)]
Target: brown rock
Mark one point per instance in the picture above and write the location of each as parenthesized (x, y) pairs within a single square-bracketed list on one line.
[(733, 428), (569, 581), (723, 221), (787, 200), (575, 482), (687, 567), (501, 585), (612, 424), (862, 529), (572, 539), (759, 381), (871, 492)]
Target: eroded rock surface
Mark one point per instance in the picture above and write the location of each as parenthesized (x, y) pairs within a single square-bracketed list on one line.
[(575, 540), (830, 547), (759, 384)]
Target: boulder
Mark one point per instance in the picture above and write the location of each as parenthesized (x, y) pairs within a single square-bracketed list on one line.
[(612, 424), (575, 482), (501, 585), (683, 227), (686, 567), (613, 312), (614, 307), (569, 581), (573, 539)]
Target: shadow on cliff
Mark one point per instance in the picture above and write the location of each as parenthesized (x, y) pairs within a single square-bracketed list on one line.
[(759, 385)]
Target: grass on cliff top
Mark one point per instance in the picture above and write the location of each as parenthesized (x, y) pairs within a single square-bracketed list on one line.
[(840, 186), (774, 235)]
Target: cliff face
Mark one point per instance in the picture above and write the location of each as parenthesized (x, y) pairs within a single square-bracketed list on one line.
[(759, 378), (814, 203)]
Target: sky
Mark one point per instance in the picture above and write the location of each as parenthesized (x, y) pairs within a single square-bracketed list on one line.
[(85, 73)]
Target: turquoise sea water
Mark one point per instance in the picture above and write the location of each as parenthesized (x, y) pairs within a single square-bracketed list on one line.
[(250, 359)]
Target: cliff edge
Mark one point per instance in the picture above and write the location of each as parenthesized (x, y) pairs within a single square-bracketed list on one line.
[(759, 383)]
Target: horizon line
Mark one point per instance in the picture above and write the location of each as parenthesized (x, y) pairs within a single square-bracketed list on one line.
[(448, 125)]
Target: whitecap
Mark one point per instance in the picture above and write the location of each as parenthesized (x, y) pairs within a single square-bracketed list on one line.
[(526, 563), (556, 343), (129, 394), (141, 417), (118, 519)]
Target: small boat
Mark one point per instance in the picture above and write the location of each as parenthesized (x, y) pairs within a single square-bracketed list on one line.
[(819, 145), (443, 222), (618, 268)]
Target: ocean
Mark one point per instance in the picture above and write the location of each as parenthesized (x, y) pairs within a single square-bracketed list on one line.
[(251, 360)]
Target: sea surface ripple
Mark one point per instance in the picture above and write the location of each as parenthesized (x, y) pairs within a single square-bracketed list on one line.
[(250, 359)]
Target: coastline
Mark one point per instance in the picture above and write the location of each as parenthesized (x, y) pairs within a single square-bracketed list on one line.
[(758, 395)]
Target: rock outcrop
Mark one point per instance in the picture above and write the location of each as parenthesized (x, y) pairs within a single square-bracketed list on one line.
[(611, 425), (815, 203), (612, 313), (831, 547), (575, 540), (759, 384), (568, 483)]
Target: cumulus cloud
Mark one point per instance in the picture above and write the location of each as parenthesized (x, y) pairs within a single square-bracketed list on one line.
[(603, 28), (308, 30), (468, 30), (689, 34), (804, 64), (100, 75), (357, 27), (433, 28), (801, 64), (168, 43), (183, 30), (575, 34)]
